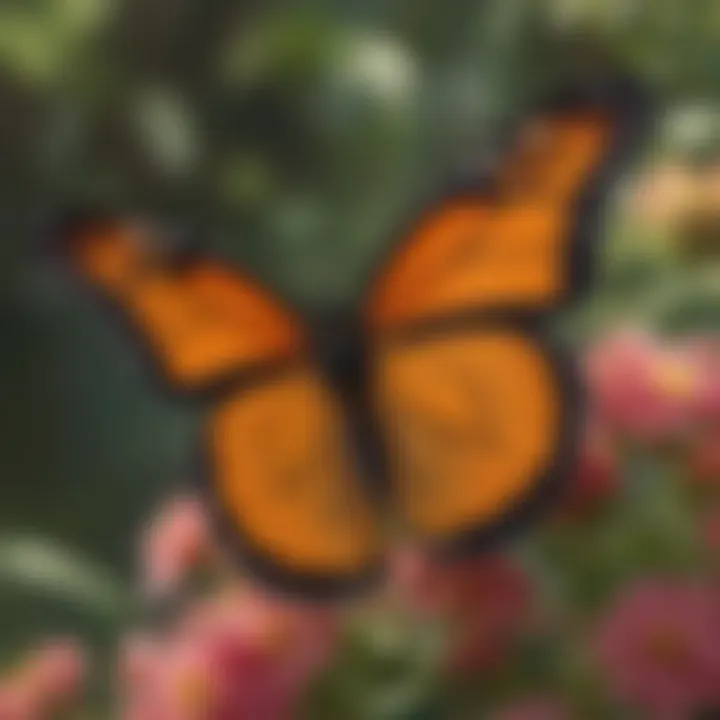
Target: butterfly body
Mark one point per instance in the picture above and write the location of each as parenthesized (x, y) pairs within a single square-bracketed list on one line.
[(439, 407), (343, 351)]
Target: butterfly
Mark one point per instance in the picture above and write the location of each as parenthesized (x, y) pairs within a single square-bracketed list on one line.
[(441, 406)]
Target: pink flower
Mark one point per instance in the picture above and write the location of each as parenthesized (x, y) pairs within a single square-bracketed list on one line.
[(183, 683), (417, 582), (534, 709), (176, 542), (641, 388), (15, 704), (58, 670), (242, 655), (597, 477), (659, 648), (51, 678), (485, 602)]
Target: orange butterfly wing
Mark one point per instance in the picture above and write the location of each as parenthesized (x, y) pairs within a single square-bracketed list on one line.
[(519, 244), (282, 470), (203, 322), (278, 470), (480, 412), (477, 422)]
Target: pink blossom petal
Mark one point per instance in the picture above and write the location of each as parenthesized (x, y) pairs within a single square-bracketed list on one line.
[(644, 389), (177, 542), (237, 655), (59, 669), (659, 647)]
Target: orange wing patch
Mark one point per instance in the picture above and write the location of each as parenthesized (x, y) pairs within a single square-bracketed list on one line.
[(203, 321), (512, 249), (282, 474), (474, 422)]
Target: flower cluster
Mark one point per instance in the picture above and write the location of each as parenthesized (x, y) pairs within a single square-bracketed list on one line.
[(237, 655)]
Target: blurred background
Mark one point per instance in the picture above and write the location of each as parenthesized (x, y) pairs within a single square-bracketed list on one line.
[(296, 136)]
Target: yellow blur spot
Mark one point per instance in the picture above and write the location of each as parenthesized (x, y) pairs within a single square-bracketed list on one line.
[(675, 378), (194, 693)]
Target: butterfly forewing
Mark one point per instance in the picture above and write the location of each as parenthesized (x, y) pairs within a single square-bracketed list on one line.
[(511, 244), (202, 321)]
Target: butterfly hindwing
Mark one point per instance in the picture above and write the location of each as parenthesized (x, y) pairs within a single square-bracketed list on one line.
[(480, 424), (287, 489)]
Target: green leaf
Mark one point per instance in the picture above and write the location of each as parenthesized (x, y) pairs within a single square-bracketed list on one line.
[(390, 671), (167, 127), (40, 565)]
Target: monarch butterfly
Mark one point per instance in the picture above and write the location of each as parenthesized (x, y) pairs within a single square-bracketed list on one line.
[(444, 384)]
